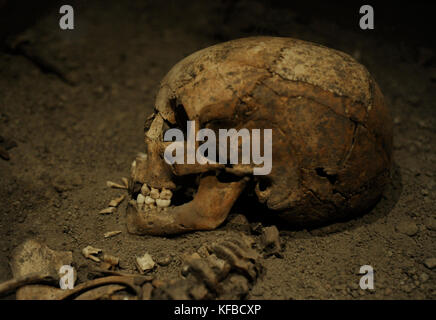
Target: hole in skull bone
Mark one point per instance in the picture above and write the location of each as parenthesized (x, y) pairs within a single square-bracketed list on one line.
[(322, 173), (180, 115)]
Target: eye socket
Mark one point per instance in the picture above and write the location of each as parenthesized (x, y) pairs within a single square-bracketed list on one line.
[(180, 115)]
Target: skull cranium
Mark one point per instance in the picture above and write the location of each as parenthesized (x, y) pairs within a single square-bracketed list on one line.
[(332, 135)]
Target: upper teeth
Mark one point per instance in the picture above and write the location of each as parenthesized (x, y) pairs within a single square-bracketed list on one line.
[(145, 190), (140, 199), (152, 197), (163, 203), (154, 193), (166, 194), (149, 200)]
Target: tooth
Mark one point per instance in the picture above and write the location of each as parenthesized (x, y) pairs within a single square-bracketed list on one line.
[(149, 200), (91, 252), (140, 200), (145, 190), (161, 203), (154, 193), (166, 194)]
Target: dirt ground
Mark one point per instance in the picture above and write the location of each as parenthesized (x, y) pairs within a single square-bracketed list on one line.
[(78, 122)]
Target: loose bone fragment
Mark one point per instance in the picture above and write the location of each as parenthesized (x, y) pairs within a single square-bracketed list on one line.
[(116, 202), (115, 185), (112, 233), (108, 210), (89, 252), (145, 263)]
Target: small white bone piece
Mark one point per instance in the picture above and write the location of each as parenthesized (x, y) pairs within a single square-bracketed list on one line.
[(154, 193), (112, 260), (161, 203), (112, 233), (145, 263), (149, 200), (125, 181), (90, 252), (166, 194), (133, 168), (115, 185), (116, 202), (145, 190), (108, 210)]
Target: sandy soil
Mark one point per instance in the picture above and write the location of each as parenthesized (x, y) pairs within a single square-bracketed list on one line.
[(72, 138)]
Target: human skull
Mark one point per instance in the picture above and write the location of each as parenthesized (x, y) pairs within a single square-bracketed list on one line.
[(331, 136)]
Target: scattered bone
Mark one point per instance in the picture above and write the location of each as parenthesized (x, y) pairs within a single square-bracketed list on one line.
[(145, 190), (228, 272), (239, 255), (271, 241), (145, 263), (112, 233), (122, 280), (147, 290), (34, 262), (133, 168), (210, 270), (203, 251), (165, 194), (149, 200), (138, 278), (115, 185), (154, 193), (30, 288), (105, 266), (108, 210), (99, 293), (112, 260), (116, 202), (90, 252), (235, 286), (163, 203), (125, 181)]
